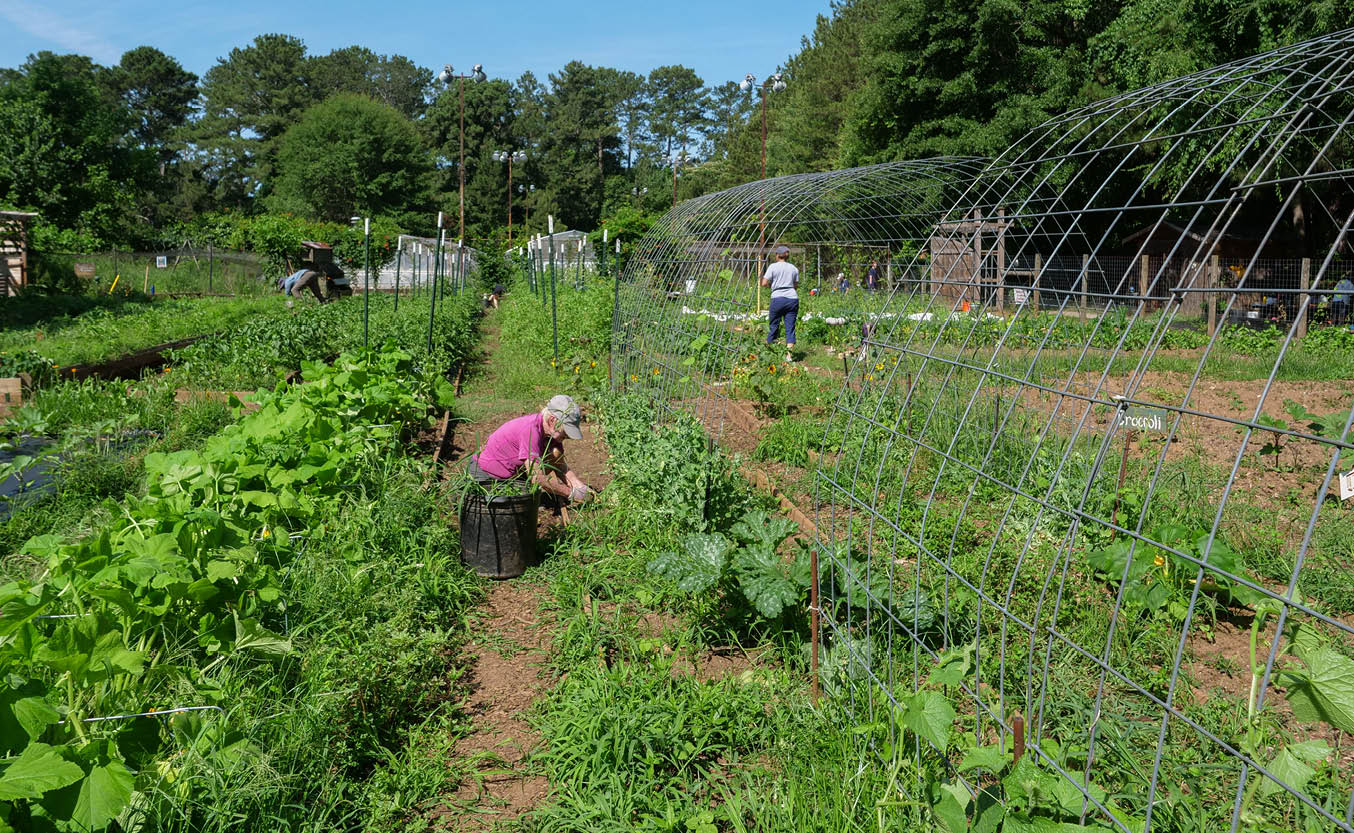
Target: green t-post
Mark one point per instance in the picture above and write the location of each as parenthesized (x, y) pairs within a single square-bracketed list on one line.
[(554, 317), (432, 296), (366, 282)]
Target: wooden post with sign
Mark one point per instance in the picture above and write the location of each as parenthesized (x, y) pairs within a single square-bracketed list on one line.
[(11, 395)]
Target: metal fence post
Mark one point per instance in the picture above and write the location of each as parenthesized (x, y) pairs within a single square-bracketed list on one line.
[(366, 282), (554, 318)]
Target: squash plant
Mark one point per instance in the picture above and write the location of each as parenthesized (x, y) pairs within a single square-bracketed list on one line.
[(747, 570)]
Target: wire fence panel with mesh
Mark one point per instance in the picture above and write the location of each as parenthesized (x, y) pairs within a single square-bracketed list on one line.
[(1083, 480)]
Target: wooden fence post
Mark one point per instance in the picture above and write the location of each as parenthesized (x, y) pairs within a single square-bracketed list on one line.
[(1214, 268), (1143, 270), (1085, 278), (1034, 284), (1305, 281), (1001, 261)]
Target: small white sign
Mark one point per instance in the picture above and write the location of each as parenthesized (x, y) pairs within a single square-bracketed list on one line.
[(1022, 296), (1347, 485), (1144, 419), (162, 261)]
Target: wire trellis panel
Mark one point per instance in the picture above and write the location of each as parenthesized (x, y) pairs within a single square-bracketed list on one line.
[(1051, 453)]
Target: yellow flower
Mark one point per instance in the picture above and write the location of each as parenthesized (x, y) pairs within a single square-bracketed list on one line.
[(772, 368), (879, 366), (869, 377), (575, 368), (655, 371), (1159, 561), (552, 362), (265, 532), (634, 378), (594, 364)]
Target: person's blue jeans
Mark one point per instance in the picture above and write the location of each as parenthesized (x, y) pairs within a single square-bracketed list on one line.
[(783, 308), (288, 284)]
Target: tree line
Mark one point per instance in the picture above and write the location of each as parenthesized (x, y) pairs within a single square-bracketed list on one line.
[(132, 154)]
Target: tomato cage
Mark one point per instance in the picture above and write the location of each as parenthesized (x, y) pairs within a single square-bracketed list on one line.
[(1083, 497)]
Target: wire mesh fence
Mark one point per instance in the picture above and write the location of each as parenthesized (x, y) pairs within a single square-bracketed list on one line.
[(1082, 490), (419, 262), (190, 270)]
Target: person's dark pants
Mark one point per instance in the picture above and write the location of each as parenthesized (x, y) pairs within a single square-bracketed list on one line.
[(1339, 312), (310, 280), (788, 309)]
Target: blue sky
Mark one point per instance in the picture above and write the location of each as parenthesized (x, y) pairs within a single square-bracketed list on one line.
[(720, 40)]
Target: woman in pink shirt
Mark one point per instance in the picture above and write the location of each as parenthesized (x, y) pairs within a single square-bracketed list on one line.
[(532, 447)]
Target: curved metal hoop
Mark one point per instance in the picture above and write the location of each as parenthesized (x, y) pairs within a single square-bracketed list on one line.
[(1068, 444)]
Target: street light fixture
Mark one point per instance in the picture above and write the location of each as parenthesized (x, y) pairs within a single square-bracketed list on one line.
[(510, 157), (676, 160), (445, 76), (777, 84), (526, 191)]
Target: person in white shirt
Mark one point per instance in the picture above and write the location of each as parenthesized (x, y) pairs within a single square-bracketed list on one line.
[(783, 278)]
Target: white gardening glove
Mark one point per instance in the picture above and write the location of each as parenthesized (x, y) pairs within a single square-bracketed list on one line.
[(580, 494)]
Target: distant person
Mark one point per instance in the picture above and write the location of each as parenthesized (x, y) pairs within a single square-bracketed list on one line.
[(1341, 300), (302, 278), (842, 283), (531, 448), (872, 276), (783, 278), (494, 297)]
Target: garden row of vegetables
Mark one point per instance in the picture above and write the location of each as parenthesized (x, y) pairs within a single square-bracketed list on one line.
[(963, 781), (641, 734), (100, 332), (192, 663)]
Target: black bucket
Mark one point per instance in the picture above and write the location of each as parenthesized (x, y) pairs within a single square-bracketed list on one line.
[(498, 533)]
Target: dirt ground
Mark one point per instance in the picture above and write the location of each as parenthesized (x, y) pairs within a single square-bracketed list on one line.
[(508, 673), (508, 660)]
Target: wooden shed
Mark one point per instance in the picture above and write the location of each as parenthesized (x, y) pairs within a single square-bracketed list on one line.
[(14, 250), (1163, 238)]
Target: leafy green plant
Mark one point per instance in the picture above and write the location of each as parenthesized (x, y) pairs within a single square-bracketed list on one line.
[(1155, 578), (1318, 681), (1275, 446), (1330, 425), (967, 787), (747, 571), (193, 572)]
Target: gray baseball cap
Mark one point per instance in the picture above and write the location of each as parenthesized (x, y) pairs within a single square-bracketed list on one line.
[(782, 250), (565, 409)]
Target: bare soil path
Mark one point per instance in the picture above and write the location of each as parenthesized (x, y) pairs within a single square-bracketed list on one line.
[(507, 658)]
